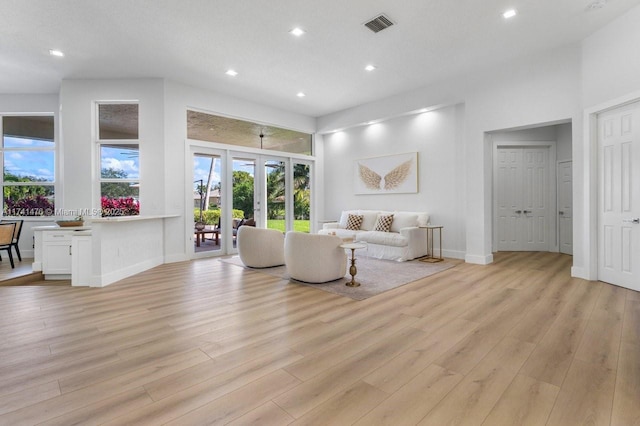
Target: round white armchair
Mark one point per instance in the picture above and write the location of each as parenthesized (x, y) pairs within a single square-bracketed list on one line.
[(259, 247), (314, 258)]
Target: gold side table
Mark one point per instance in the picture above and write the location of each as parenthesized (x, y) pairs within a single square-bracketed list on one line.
[(431, 257), (352, 269)]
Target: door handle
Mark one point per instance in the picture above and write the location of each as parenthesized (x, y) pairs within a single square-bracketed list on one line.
[(526, 211), (518, 211), (560, 212), (633, 220)]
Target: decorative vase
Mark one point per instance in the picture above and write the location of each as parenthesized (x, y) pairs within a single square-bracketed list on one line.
[(200, 226)]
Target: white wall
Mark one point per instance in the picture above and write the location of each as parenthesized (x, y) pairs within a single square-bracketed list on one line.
[(560, 133), (81, 168), (178, 98), (535, 90), (610, 60), (435, 136), (564, 138), (162, 121), (611, 76)]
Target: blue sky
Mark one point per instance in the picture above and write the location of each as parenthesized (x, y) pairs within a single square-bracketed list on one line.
[(29, 163), (121, 158), (202, 164), (40, 164)]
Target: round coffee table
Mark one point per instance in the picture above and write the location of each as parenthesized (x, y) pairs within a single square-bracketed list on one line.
[(352, 269)]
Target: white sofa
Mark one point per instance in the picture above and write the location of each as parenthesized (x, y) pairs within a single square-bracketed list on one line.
[(404, 241)]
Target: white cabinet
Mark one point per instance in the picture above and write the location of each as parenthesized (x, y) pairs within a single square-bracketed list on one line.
[(81, 258), (63, 253), (56, 253)]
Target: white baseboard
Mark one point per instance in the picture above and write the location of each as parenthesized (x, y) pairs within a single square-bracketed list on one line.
[(120, 274), (581, 272), (26, 254), (452, 254), (173, 258), (478, 260)]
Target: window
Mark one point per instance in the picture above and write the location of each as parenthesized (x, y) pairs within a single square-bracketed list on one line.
[(119, 151), (28, 158)]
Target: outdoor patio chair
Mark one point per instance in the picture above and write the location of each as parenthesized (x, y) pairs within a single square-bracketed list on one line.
[(7, 230), (16, 235)]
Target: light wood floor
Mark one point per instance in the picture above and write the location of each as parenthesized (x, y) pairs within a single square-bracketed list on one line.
[(22, 268), (516, 342)]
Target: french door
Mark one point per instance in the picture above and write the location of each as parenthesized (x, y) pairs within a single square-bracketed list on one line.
[(619, 196), (522, 198), (234, 186)]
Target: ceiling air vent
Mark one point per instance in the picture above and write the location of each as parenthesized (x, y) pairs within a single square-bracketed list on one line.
[(378, 23)]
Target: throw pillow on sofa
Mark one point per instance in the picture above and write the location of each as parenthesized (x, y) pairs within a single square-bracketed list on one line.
[(383, 222), (354, 222)]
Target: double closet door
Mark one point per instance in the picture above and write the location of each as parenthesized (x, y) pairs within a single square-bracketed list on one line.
[(523, 198)]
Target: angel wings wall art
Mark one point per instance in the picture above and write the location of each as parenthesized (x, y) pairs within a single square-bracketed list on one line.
[(391, 174)]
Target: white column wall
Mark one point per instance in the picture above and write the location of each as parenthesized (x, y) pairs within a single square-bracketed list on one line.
[(78, 135)]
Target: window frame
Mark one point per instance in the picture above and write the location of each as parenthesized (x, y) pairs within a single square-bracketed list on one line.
[(53, 148), (125, 143)]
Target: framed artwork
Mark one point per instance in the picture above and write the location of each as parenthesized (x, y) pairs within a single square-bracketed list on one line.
[(391, 174)]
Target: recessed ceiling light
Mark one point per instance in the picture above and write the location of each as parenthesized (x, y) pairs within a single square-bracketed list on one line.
[(509, 14), (370, 67), (297, 31), (232, 73), (54, 52), (300, 94)]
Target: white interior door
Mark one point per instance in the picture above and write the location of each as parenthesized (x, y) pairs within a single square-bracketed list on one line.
[(535, 203), (522, 198), (565, 207), (509, 200), (619, 196)]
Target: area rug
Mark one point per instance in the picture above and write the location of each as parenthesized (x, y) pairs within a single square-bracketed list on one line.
[(375, 276)]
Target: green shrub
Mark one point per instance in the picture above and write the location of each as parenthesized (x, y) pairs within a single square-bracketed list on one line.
[(211, 217)]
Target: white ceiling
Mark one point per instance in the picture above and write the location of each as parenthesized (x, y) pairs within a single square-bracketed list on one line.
[(196, 41)]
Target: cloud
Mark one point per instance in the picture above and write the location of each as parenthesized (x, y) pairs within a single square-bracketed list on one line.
[(15, 142), (201, 166), (14, 155), (128, 166), (204, 175)]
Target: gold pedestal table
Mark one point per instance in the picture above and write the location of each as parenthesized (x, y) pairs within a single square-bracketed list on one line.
[(352, 269)]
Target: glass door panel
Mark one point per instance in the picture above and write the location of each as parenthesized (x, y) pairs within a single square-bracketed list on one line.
[(207, 203), (244, 192), (301, 197), (275, 194)]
